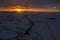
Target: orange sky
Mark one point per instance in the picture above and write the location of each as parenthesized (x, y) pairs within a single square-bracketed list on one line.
[(29, 10)]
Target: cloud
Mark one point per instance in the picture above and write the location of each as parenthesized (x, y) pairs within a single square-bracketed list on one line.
[(35, 3)]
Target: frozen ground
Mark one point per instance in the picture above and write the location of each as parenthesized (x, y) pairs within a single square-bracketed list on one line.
[(30, 26)]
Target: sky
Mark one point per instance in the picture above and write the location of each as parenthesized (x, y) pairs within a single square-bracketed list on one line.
[(34, 3)]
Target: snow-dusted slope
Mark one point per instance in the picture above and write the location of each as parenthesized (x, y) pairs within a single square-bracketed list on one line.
[(30, 26)]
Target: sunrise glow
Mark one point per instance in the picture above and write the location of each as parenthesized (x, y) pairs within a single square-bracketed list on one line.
[(21, 9), (18, 10)]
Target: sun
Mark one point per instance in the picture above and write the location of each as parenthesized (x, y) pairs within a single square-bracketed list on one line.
[(18, 10)]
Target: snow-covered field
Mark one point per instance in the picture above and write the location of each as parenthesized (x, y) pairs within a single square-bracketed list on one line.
[(29, 26)]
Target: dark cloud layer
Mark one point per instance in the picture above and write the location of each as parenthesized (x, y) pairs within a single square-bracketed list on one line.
[(28, 2)]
